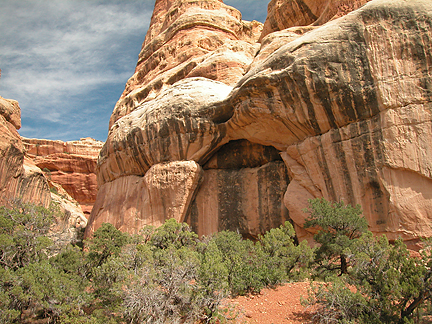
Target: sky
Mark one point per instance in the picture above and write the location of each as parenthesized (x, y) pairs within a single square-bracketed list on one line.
[(67, 61)]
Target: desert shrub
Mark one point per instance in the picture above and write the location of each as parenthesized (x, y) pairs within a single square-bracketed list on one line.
[(163, 275), (23, 234), (283, 259), (173, 233), (106, 241), (165, 290), (45, 291), (243, 261), (213, 280), (71, 260), (31, 286), (335, 302), (385, 285), (338, 226), (166, 286)]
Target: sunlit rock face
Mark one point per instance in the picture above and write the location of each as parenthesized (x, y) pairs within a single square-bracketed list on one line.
[(327, 107), (283, 14), (22, 180), (71, 164), (189, 38), (19, 177), (349, 105)]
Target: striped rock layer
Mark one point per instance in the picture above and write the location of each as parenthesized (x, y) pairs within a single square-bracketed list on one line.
[(234, 125)]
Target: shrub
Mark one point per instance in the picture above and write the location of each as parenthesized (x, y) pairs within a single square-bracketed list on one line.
[(283, 259), (163, 275), (23, 230), (172, 233), (107, 241), (243, 260), (386, 285), (338, 226)]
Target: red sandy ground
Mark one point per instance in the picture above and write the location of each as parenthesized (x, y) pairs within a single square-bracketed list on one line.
[(274, 306)]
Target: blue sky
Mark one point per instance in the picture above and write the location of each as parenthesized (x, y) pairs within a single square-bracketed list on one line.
[(67, 61)]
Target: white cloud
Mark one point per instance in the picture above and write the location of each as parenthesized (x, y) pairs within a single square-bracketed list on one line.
[(55, 54)]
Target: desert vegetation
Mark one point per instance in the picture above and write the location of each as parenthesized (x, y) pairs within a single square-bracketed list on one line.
[(170, 275)]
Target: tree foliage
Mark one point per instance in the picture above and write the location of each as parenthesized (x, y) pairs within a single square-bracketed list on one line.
[(169, 275), (284, 260), (29, 283), (23, 234), (337, 226), (162, 275), (384, 283)]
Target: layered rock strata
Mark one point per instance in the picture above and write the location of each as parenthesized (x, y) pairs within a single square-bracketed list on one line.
[(351, 103), (71, 164), (21, 179), (293, 13), (339, 109), (189, 38), (193, 53)]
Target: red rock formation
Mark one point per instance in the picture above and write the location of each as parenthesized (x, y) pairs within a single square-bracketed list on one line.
[(349, 104), (346, 103), (189, 38), (163, 121), (21, 179), (293, 13), (165, 191), (72, 165)]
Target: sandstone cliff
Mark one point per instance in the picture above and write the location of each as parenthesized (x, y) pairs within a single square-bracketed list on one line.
[(21, 179), (323, 107), (190, 38), (351, 103), (71, 164)]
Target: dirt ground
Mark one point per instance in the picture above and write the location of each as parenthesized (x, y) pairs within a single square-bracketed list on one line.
[(273, 306)]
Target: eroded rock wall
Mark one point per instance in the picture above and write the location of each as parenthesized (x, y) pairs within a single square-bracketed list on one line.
[(332, 105), (21, 179), (194, 52), (349, 104), (293, 13), (189, 38), (71, 164)]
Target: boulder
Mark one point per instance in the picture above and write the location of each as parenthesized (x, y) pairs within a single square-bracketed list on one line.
[(165, 191), (179, 124), (10, 110)]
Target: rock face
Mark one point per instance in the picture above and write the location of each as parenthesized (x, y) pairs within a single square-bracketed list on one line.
[(283, 14), (165, 191), (339, 109), (171, 114), (71, 164), (21, 179), (189, 38), (351, 104)]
